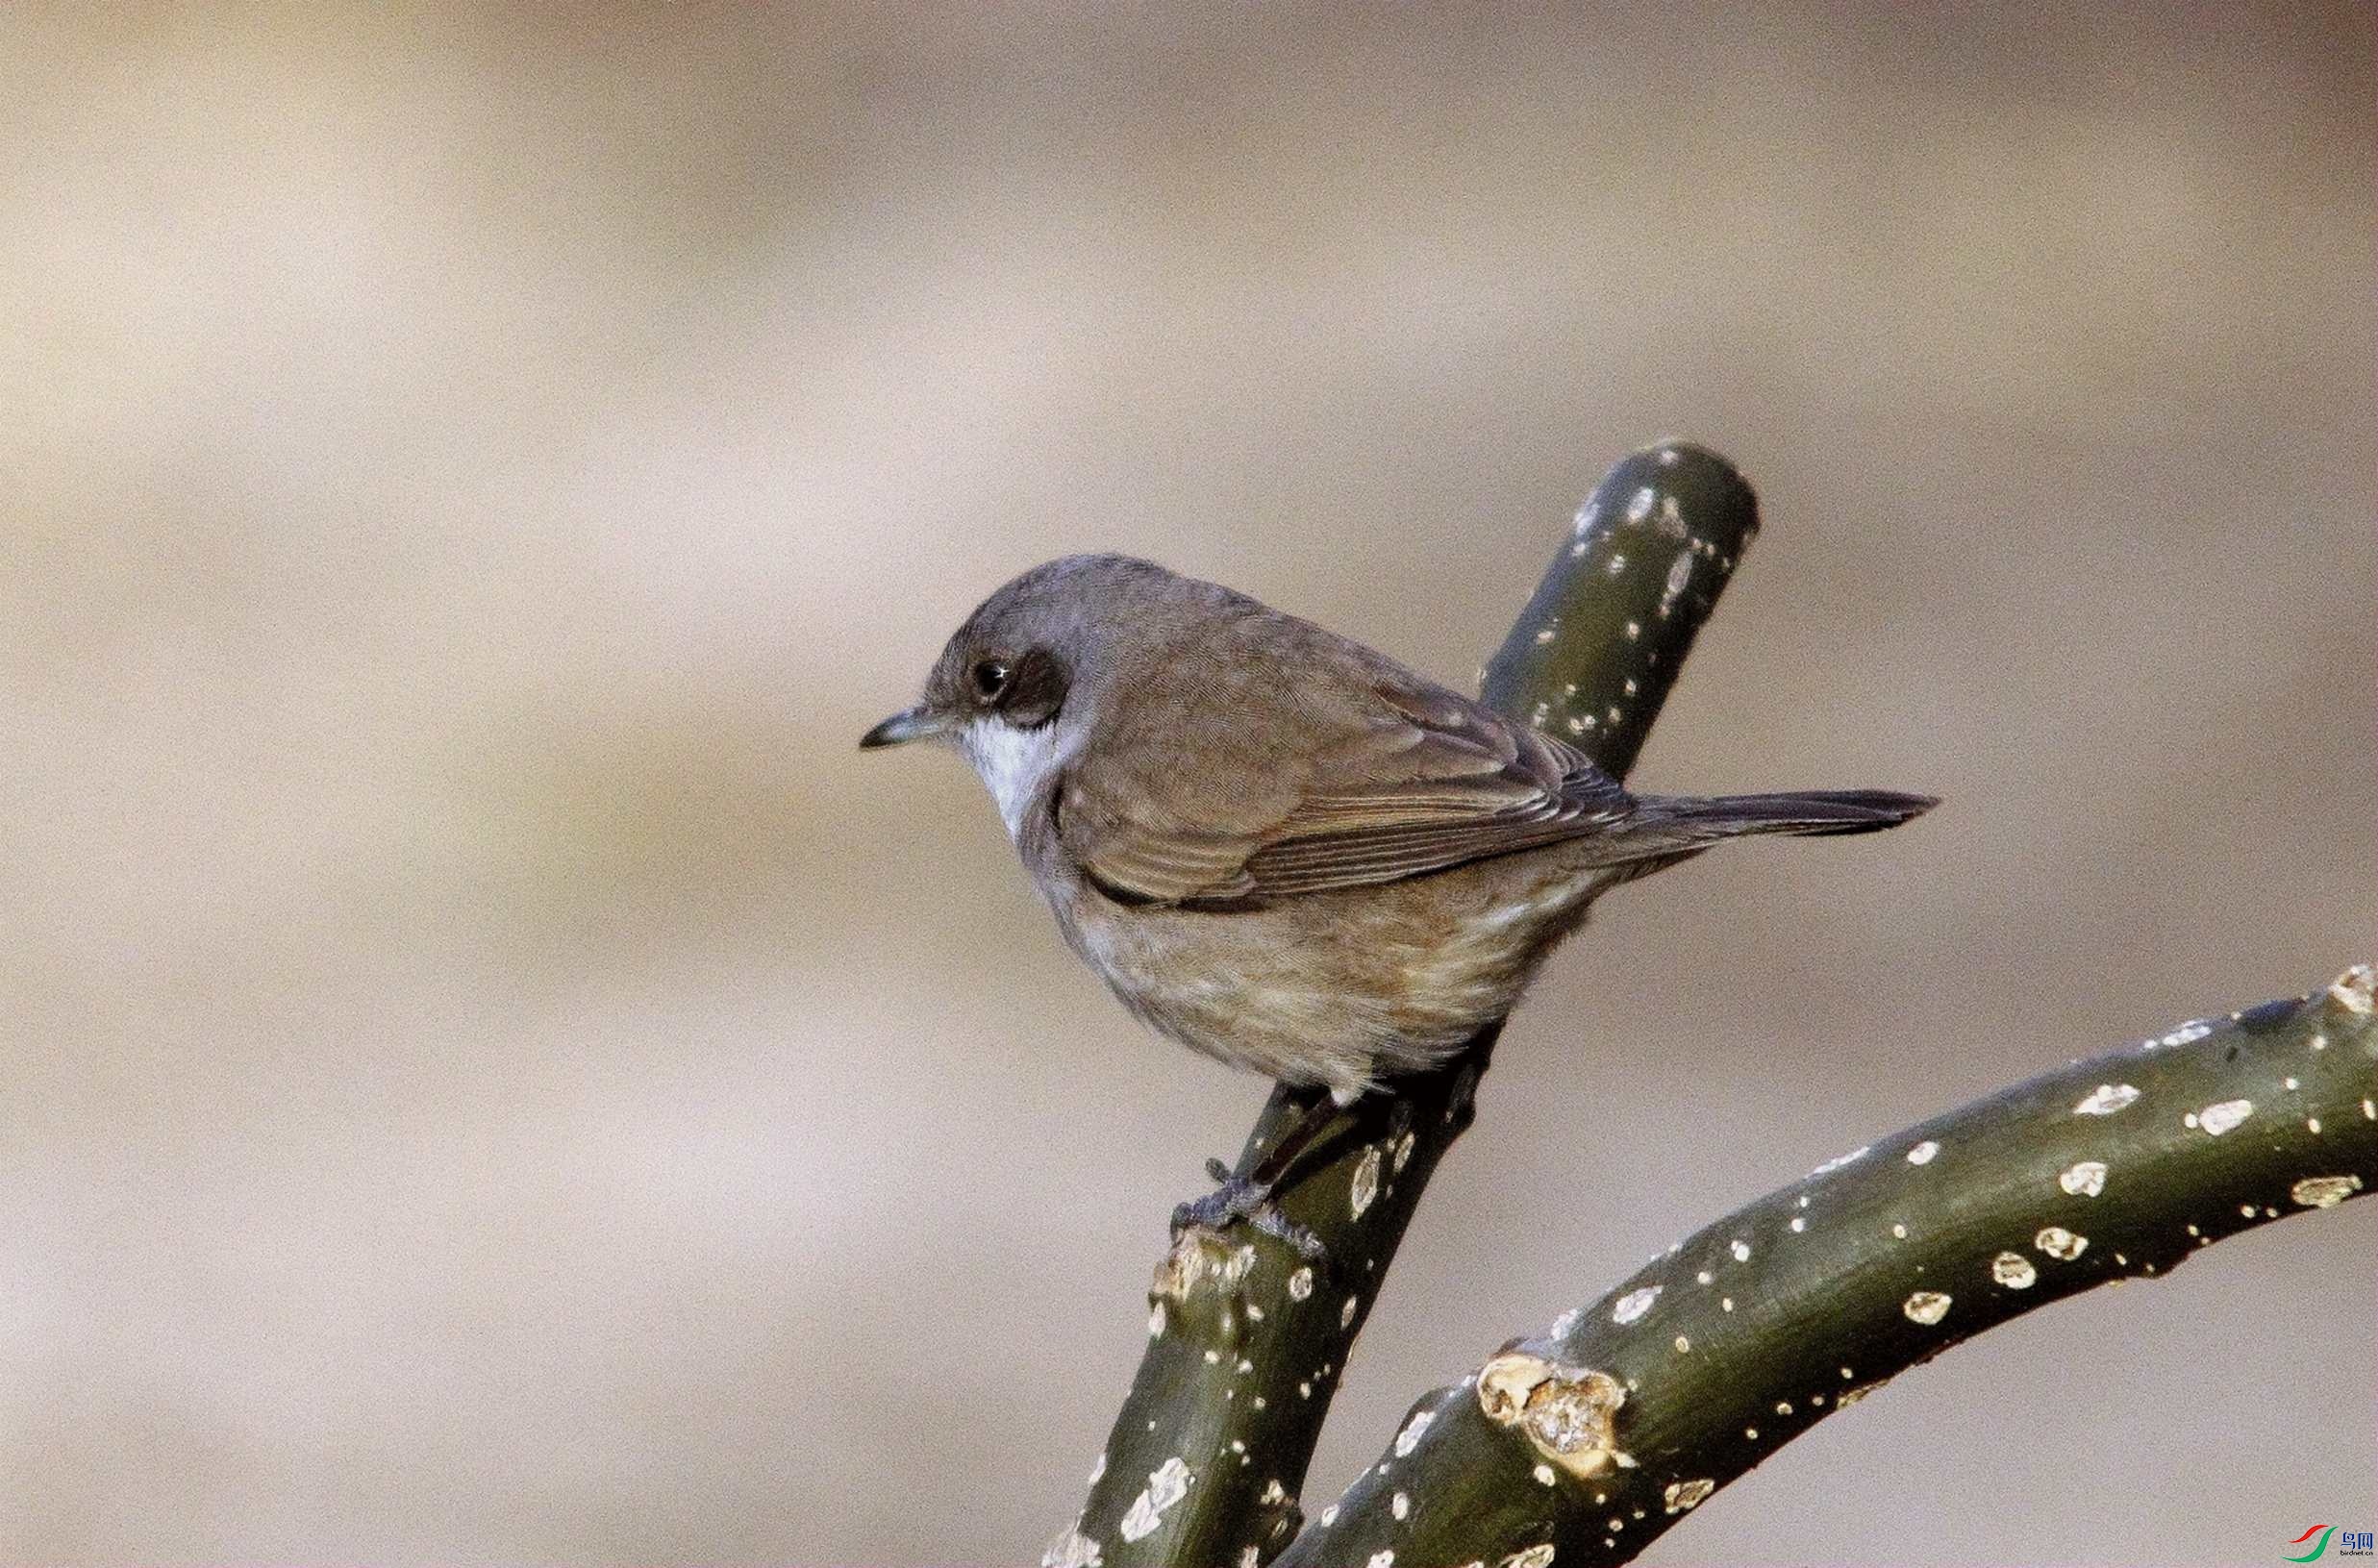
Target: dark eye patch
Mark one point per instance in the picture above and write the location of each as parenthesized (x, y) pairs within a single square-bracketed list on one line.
[(1036, 688)]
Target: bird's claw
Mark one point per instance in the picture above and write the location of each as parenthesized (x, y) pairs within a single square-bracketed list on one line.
[(1236, 1198)]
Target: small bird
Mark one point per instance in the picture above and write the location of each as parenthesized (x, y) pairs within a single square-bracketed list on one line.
[(1283, 849)]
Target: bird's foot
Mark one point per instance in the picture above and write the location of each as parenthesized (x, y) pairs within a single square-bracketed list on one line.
[(1239, 1198)]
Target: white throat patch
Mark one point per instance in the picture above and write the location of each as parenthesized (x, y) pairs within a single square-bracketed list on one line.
[(1013, 764)]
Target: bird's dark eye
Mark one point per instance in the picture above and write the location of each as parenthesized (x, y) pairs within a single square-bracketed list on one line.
[(991, 677)]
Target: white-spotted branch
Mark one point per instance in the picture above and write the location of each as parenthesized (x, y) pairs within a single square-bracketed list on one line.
[(1586, 1442), (1598, 1435)]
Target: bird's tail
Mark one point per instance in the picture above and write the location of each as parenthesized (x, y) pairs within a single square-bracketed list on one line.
[(1808, 813)]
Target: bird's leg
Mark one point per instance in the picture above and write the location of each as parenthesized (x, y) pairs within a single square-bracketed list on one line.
[(1251, 1197), (1271, 1172)]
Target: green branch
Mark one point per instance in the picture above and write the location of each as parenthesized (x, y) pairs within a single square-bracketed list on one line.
[(1590, 1442), (1247, 1339)]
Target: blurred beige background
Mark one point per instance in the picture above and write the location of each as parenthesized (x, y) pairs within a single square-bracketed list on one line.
[(490, 1074)]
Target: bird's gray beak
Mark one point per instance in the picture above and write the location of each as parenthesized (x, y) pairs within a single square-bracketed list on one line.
[(909, 724)]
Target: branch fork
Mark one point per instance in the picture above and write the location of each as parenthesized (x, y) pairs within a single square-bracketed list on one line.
[(1589, 1440)]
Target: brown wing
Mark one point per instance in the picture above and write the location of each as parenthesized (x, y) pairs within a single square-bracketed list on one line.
[(1289, 773)]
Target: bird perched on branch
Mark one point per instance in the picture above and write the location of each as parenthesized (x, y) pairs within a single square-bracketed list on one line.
[(1282, 848)]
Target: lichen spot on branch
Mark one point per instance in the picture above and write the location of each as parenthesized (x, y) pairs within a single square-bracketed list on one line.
[(1199, 1254), (2085, 1178), (2060, 1243), (2105, 1098), (1926, 1307), (2353, 991), (2013, 1270), (2324, 1191), (1072, 1550), (1568, 1413), (2216, 1120), (1168, 1483), (1684, 1496), (1364, 1189)]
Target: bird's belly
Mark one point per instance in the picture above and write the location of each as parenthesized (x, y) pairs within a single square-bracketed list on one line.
[(1334, 989)]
